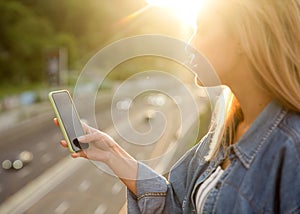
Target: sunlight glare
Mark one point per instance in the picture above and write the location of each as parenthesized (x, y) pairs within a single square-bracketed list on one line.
[(185, 10)]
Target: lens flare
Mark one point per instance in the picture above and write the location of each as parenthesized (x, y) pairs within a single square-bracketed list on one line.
[(185, 10), (132, 16)]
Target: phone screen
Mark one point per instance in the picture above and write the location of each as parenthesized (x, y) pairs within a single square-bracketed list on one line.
[(70, 119)]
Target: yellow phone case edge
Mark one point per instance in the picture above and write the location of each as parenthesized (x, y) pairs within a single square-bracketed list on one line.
[(62, 128)]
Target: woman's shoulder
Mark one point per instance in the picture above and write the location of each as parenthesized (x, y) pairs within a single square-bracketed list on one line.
[(290, 126), (290, 131)]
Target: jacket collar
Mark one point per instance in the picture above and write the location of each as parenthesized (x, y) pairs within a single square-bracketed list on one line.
[(258, 133)]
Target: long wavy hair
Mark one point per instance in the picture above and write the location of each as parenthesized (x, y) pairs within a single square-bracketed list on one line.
[(269, 35)]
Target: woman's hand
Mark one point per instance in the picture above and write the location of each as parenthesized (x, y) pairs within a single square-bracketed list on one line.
[(101, 145), (103, 148)]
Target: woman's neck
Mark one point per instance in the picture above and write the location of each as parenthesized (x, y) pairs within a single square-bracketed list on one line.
[(252, 98)]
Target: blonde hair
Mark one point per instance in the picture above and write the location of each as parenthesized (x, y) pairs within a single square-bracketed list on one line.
[(269, 34), (226, 114)]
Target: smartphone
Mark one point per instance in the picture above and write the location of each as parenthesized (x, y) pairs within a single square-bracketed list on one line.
[(68, 118)]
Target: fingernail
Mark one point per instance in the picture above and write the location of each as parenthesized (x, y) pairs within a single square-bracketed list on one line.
[(74, 155), (80, 138)]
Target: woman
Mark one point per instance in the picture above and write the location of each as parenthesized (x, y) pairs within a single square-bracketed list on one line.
[(252, 163)]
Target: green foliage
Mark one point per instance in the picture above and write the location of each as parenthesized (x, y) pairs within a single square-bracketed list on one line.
[(23, 38), (30, 29)]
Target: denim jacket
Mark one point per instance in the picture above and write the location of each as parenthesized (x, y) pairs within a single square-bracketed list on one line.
[(263, 175)]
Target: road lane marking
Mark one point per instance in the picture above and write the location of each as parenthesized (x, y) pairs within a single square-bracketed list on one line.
[(41, 146), (123, 210), (117, 187), (46, 158), (101, 209), (62, 208), (24, 172), (84, 186)]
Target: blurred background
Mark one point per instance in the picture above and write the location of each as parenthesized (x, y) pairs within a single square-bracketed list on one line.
[(44, 45)]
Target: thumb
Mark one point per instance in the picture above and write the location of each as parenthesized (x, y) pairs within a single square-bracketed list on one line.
[(95, 136)]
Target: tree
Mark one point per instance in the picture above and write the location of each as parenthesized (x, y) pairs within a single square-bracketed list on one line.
[(23, 39)]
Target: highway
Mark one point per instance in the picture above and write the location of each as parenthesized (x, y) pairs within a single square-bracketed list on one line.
[(55, 183)]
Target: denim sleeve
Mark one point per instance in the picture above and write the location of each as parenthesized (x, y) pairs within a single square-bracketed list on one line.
[(157, 195), (153, 194)]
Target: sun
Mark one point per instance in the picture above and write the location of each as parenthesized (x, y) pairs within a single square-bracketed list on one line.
[(185, 10)]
